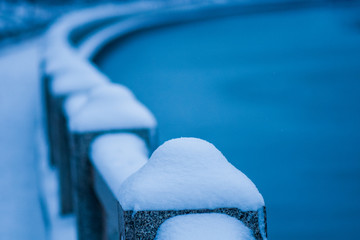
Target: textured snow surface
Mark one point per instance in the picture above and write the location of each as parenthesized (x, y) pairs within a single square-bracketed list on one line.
[(189, 173), (111, 107), (117, 156), (208, 226)]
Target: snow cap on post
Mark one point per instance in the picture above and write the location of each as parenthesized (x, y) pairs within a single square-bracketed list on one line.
[(207, 226), (73, 81), (189, 173), (111, 107), (62, 59)]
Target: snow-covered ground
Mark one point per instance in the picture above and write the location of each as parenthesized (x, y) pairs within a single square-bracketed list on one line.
[(20, 215)]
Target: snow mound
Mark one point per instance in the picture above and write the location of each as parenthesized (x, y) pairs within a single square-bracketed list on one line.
[(117, 156), (189, 173), (207, 226), (74, 81), (111, 107)]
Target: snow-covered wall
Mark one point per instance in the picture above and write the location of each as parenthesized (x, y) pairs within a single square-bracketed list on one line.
[(98, 128)]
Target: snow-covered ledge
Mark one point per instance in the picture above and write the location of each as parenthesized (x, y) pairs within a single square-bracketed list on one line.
[(188, 176), (103, 134)]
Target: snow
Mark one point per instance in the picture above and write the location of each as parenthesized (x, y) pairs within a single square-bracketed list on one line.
[(74, 102), (96, 41), (74, 81), (117, 156), (111, 91), (70, 72), (99, 39), (60, 56), (111, 107), (64, 59), (20, 212), (207, 226), (188, 173)]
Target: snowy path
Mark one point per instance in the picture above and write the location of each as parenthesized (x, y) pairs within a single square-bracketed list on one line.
[(20, 215)]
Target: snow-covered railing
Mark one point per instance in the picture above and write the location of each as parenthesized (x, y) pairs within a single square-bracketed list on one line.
[(101, 138), (66, 73)]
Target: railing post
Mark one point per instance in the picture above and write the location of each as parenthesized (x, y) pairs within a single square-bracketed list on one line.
[(188, 176), (113, 116), (59, 82), (88, 210), (46, 79)]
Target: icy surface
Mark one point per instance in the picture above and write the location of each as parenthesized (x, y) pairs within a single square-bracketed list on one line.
[(117, 156), (111, 107), (74, 102), (208, 226), (188, 173)]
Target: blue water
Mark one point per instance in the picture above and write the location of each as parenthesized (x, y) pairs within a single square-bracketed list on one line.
[(277, 93)]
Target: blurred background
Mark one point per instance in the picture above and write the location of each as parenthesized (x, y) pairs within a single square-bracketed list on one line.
[(277, 91)]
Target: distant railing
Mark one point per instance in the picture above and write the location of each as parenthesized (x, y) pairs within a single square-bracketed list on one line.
[(101, 137)]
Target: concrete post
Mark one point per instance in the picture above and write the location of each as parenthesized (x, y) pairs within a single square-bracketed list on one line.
[(49, 108), (62, 150), (144, 224), (88, 209), (188, 176)]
